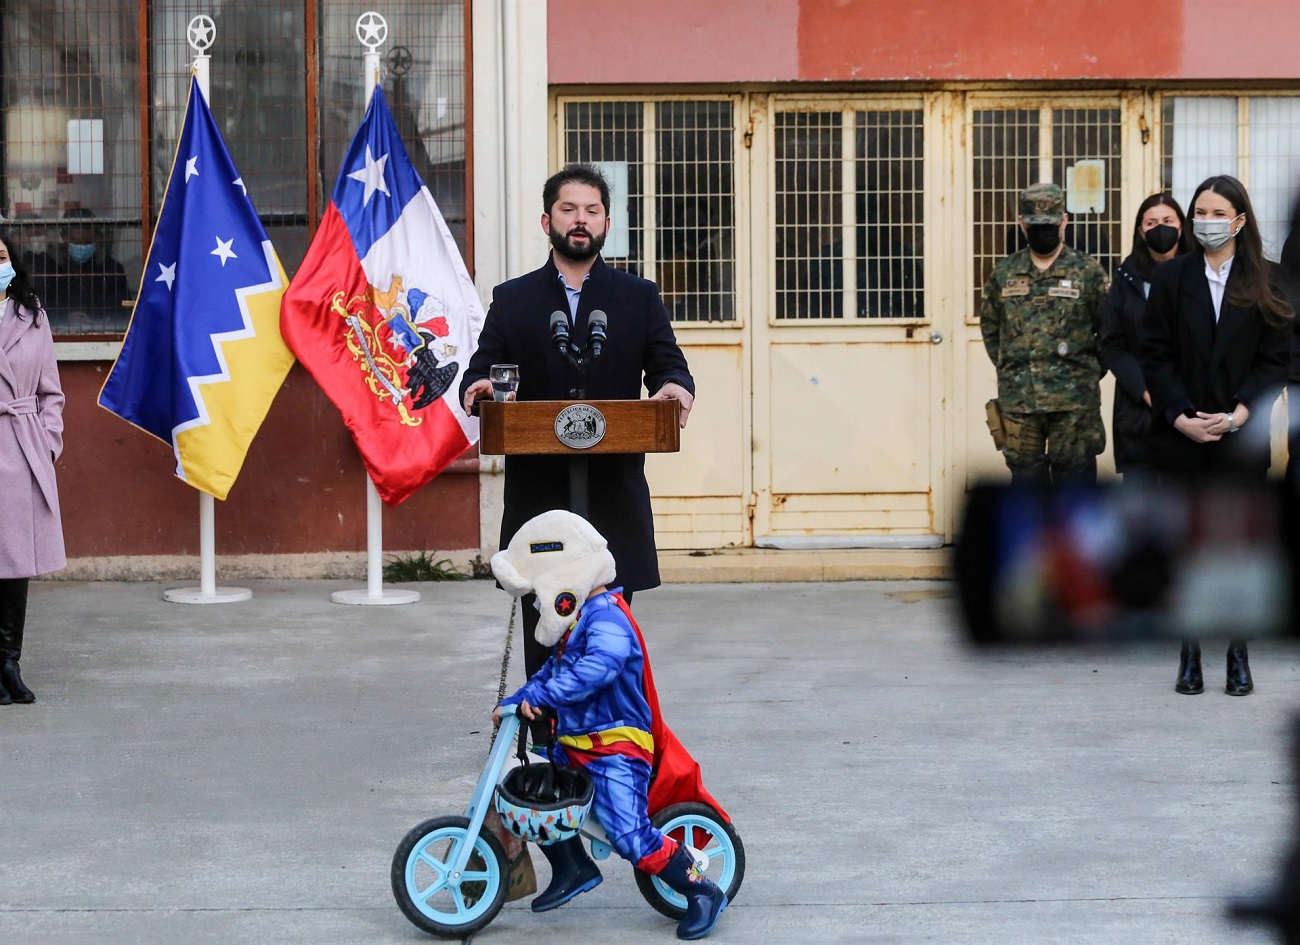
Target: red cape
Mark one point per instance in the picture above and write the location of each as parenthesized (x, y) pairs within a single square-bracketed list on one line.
[(676, 777)]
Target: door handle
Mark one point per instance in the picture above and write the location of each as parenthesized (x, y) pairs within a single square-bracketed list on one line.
[(936, 337)]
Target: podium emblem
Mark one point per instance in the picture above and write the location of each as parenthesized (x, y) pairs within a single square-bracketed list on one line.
[(580, 426)]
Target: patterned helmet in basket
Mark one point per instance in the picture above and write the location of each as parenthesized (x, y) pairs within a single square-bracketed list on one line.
[(544, 803)]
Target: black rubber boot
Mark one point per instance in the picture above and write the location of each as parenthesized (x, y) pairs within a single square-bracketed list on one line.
[(572, 873), (13, 617), (1239, 681), (1190, 679), (704, 900)]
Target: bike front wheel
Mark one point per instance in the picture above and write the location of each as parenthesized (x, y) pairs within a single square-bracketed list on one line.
[(433, 897)]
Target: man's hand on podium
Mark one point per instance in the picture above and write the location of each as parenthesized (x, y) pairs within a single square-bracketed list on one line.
[(675, 391), (479, 390)]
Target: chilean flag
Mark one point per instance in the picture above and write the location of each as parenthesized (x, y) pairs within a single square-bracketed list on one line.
[(384, 315)]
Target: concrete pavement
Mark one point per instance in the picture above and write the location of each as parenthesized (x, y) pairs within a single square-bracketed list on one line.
[(243, 773)]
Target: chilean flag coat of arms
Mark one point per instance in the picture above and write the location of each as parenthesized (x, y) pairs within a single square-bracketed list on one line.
[(384, 315)]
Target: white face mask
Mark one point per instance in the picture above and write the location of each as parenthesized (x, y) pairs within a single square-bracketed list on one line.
[(1214, 234)]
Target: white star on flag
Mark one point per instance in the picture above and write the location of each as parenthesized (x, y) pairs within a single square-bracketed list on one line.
[(372, 175), (224, 251), (239, 182), (191, 168), (168, 275)]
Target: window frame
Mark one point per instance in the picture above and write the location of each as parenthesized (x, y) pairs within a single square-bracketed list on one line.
[(740, 175), (848, 106)]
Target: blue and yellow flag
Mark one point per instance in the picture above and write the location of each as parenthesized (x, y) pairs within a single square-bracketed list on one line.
[(203, 357)]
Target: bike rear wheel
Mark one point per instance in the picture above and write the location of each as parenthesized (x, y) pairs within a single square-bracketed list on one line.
[(700, 827)]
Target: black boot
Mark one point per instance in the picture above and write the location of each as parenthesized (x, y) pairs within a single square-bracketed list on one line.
[(1190, 679), (704, 900), (1239, 681), (572, 872), (13, 617)]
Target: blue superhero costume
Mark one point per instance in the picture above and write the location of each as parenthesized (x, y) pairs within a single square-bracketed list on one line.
[(595, 682)]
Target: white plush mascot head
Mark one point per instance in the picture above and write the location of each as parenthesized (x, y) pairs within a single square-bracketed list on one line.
[(559, 557)]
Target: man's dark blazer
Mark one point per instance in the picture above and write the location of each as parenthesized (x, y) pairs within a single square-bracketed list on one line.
[(640, 343), (1191, 363)]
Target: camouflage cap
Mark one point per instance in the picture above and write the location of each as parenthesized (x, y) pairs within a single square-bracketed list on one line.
[(1042, 203)]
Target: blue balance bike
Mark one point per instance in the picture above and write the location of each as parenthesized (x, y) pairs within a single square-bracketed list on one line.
[(450, 874)]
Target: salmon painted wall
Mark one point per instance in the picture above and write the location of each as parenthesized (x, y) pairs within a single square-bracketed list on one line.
[(728, 41), (302, 488)]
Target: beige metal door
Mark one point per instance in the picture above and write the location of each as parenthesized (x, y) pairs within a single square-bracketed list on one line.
[(677, 170), (851, 354)]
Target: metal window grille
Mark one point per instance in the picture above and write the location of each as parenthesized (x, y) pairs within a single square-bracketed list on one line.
[(890, 213), (424, 80), (673, 210), (75, 120), (1254, 138), (810, 246), (849, 213), (696, 209), (71, 154), (1018, 146), (612, 135), (1091, 134), (257, 96)]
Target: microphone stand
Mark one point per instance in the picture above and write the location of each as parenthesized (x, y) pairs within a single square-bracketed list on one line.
[(579, 462)]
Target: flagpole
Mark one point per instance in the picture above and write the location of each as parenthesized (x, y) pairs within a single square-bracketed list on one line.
[(372, 31), (201, 33)]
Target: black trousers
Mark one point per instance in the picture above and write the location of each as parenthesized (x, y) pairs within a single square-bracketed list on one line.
[(13, 616)]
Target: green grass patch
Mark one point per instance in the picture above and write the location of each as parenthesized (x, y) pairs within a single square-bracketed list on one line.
[(404, 569)]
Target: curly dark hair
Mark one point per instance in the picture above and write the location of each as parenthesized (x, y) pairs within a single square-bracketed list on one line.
[(574, 174), (22, 289)]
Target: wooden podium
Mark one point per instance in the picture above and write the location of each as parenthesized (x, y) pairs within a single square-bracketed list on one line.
[(578, 429)]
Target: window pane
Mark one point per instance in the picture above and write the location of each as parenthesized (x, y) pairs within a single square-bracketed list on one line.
[(809, 239), (890, 214), (1200, 141), (1005, 162), (258, 98), (612, 132), (695, 210), (424, 82), (1274, 167), (1091, 134), (71, 160)]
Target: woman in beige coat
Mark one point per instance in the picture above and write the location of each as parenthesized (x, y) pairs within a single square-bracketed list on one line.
[(31, 438)]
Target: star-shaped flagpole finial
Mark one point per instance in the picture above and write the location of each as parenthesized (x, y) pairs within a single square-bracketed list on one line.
[(372, 30), (201, 33)]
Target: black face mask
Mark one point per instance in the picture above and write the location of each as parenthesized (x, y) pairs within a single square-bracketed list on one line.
[(1162, 238), (1044, 237)]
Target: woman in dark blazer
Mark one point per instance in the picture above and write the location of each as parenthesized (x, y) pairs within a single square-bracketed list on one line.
[(1159, 234), (1215, 351)]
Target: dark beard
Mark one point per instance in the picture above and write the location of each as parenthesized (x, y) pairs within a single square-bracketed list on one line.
[(561, 244)]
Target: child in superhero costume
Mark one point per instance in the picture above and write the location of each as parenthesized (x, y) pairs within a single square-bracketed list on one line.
[(599, 685)]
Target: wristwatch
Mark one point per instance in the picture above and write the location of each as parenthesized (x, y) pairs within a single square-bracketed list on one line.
[(1232, 423)]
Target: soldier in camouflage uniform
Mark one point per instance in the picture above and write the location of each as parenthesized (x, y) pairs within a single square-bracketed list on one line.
[(1040, 321)]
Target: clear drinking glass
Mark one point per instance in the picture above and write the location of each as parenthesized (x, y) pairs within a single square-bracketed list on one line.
[(505, 381)]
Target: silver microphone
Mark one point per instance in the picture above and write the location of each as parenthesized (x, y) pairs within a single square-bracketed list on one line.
[(560, 332), (597, 326)]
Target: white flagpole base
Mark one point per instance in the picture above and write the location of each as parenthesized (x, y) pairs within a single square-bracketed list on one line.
[(207, 592), (388, 595), (375, 592), (195, 595)]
